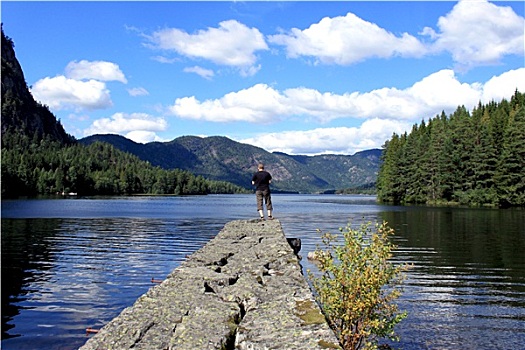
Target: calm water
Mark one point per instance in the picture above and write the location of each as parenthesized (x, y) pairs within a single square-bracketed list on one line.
[(69, 264)]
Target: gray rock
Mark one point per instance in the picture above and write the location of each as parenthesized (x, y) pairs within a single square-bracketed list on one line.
[(243, 290)]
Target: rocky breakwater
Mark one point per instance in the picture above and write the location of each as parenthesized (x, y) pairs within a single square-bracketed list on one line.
[(243, 290)]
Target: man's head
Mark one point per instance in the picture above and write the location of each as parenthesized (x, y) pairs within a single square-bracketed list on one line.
[(260, 166)]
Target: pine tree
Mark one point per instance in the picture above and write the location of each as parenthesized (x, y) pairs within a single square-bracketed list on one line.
[(475, 159), (389, 187), (510, 177)]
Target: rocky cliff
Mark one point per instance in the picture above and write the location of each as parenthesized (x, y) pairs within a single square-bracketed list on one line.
[(20, 112)]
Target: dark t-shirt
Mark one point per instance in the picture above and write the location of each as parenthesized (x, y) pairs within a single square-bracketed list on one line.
[(261, 180)]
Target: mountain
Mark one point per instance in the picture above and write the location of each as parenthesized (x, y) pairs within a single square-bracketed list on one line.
[(343, 171), (215, 158), (220, 158), (20, 112)]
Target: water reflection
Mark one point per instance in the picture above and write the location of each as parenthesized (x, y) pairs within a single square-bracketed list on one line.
[(24, 257), (70, 264), (65, 275), (468, 277)]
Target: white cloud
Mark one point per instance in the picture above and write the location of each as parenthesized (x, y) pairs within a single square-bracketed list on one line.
[(63, 93), (203, 72), (142, 136), (474, 32), (231, 44), (479, 33), (98, 70), (504, 86), (138, 91), (258, 104), (346, 40), (340, 140), (138, 126), (440, 91), (389, 110), (82, 86)]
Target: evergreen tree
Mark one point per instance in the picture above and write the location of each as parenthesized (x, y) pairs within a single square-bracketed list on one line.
[(472, 158), (389, 186), (510, 177), (49, 167)]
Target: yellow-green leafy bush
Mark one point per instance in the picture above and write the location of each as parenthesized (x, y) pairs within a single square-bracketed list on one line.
[(358, 285)]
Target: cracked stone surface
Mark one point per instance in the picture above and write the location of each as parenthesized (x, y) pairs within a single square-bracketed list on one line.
[(243, 290)]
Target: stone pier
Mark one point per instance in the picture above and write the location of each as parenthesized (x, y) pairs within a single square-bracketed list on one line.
[(243, 290)]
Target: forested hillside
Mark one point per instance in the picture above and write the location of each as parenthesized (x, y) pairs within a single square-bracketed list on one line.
[(47, 167), (473, 158), (39, 157)]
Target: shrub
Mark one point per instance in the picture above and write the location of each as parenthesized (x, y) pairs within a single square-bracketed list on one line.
[(357, 285)]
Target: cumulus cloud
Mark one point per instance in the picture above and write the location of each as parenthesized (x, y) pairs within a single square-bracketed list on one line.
[(440, 91), (479, 33), (82, 87), (140, 127), (203, 72), (346, 40), (388, 110), (63, 93), (474, 32), (142, 136), (138, 91), (504, 85), (257, 104), (340, 140), (231, 44), (97, 70)]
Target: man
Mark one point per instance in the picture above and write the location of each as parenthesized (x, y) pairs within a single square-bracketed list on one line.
[(261, 180)]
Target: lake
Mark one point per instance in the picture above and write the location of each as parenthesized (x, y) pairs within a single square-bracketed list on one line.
[(70, 264)]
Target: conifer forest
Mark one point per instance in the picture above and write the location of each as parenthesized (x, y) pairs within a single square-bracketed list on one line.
[(472, 158)]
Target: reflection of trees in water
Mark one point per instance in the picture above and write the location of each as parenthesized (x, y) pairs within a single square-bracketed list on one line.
[(25, 254), (101, 265), (488, 238), (468, 275)]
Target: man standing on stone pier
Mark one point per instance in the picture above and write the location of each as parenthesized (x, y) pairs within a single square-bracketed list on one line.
[(261, 180)]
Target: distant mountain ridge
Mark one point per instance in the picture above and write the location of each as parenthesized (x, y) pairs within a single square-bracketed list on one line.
[(220, 158), (215, 158)]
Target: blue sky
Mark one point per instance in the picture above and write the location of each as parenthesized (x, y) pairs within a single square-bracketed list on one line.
[(296, 77)]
